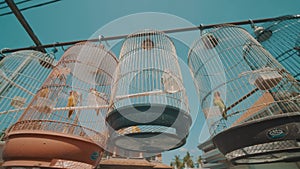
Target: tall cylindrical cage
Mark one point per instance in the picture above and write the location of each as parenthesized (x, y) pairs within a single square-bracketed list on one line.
[(283, 42), (21, 75), (250, 101), (65, 121), (151, 110)]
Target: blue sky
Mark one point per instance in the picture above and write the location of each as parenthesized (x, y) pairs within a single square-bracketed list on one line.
[(70, 20)]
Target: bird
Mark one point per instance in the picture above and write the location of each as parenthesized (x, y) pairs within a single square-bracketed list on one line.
[(71, 103), (169, 82), (96, 98), (135, 129), (219, 102), (147, 44), (92, 99), (44, 92)]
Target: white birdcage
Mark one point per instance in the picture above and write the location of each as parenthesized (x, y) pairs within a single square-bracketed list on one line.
[(65, 121), (21, 76), (284, 42), (250, 101), (151, 111)]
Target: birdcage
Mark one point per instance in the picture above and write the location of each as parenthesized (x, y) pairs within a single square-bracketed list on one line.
[(65, 121), (283, 42), (151, 111), (21, 76), (250, 101)]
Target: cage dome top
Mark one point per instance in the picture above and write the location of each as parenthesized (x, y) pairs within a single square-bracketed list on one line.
[(147, 40)]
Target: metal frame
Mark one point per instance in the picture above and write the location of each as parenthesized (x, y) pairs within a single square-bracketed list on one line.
[(200, 27), (25, 24)]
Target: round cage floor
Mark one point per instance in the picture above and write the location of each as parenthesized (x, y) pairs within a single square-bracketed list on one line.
[(149, 127), (154, 142), (150, 114)]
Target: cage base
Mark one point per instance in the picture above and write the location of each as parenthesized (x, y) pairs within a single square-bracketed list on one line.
[(261, 135), (289, 154), (138, 114), (148, 142), (43, 148), (144, 140)]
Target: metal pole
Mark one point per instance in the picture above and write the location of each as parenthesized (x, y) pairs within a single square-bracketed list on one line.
[(201, 27), (30, 7), (25, 24)]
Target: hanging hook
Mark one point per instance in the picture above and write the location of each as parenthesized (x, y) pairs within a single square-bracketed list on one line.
[(62, 48), (54, 49), (1, 53), (201, 29), (101, 37), (252, 24)]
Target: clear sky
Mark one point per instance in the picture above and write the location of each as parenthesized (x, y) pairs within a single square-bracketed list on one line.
[(70, 20)]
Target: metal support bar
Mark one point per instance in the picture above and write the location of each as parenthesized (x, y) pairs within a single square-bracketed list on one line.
[(21, 2), (30, 7), (201, 27), (25, 24)]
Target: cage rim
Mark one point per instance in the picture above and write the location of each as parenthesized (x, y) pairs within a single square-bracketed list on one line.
[(289, 150), (182, 112), (293, 117), (47, 132), (114, 138), (12, 131)]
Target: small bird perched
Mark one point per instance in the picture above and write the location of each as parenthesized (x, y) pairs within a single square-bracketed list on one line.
[(60, 72), (147, 44), (71, 103), (44, 92), (96, 98), (135, 129), (169, 82), (219, 102)]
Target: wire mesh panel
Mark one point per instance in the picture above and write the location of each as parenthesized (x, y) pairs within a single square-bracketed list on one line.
[(248, 98), (151, 110), (66, 118), (21, 75), (284, 42)]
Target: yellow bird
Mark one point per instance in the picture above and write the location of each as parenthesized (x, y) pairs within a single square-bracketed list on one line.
[(71, 103), (135, 129), (219, 102), (44, 92), (147, 44)]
